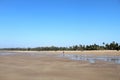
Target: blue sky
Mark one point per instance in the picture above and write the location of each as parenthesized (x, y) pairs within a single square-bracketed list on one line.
[(33, 23)]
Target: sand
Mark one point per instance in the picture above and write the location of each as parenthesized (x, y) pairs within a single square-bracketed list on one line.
[(19, 67)]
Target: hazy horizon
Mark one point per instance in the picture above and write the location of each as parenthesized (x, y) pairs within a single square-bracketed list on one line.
[(34, 23)]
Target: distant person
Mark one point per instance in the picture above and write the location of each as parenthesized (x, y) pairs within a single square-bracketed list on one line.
[(63, 53)]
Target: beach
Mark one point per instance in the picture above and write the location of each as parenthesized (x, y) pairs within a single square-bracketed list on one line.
[(22, 66)]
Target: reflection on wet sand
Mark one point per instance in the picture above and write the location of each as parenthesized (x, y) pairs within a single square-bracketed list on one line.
[(92, 58)]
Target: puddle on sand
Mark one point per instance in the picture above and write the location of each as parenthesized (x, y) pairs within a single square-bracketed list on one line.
[(6, 53), (21, 54), (34, 54), (92, 58)]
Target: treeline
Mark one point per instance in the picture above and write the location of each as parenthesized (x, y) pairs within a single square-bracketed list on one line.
[(105, 46)]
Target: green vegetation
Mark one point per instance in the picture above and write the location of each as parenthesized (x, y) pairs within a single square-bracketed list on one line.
[(111, 46)]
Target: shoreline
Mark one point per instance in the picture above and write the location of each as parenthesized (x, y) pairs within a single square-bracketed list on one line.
[(95, 52)]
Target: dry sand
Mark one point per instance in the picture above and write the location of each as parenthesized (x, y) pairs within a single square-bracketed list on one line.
[(19, 67)]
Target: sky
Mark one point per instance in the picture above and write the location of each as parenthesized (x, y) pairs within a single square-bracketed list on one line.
[(34, 23)]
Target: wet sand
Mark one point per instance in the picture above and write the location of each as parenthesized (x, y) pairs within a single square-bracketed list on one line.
[(95, 52), (20, 67)]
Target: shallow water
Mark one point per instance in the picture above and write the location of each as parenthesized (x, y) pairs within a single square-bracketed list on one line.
[(80, 57), (92, 58), (6, 53)]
